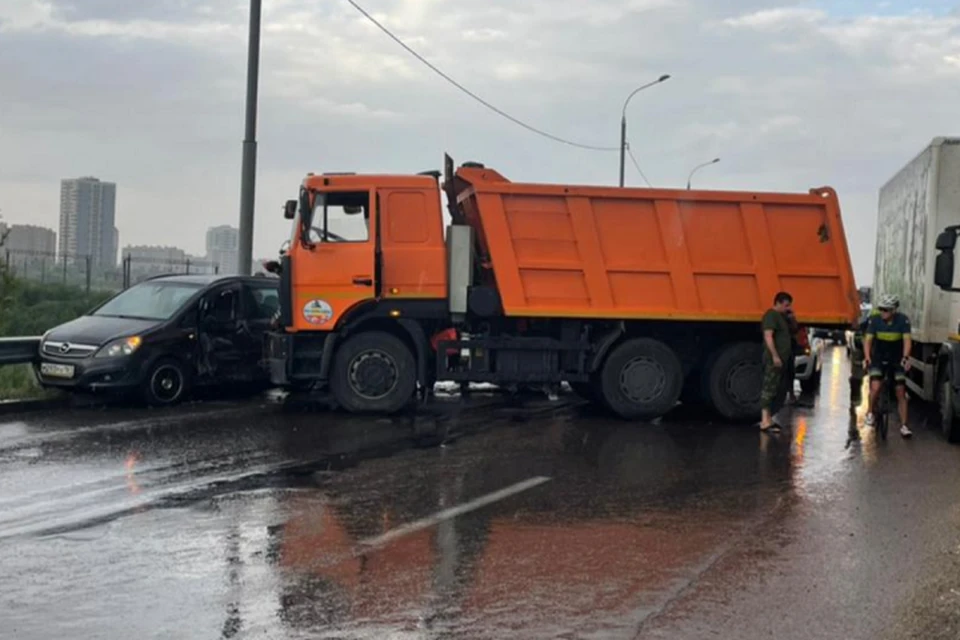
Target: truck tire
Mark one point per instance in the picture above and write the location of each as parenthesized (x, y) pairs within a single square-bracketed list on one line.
[(735, 379), (373, 372), (948, 415), (641, 379), (167, 383)]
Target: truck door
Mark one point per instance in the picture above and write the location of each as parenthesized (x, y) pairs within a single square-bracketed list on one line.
[(335, 268)]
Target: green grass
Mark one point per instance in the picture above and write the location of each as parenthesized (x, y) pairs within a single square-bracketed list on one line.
[(30, 309), (17, 382)]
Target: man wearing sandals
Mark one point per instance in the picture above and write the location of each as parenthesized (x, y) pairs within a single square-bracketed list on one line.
[(777, 351)]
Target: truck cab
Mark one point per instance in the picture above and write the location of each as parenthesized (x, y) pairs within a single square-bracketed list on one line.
[(366, 254)]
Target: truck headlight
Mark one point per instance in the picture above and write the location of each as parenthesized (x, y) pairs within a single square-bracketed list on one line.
[(121, 347)]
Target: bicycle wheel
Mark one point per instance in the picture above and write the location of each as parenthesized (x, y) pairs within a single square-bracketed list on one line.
[(882, 424)]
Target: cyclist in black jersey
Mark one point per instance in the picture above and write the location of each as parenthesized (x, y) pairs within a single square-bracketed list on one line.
[(887, 346)]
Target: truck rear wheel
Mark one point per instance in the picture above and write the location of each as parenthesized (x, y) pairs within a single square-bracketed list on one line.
[(734, 381), (373, 372), (641, 379)]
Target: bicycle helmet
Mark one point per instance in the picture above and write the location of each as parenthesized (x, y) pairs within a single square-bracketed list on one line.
[(889, 301)]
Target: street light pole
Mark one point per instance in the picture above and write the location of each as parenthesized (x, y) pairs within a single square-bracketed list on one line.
[(248, 171), (623, 121), (698, 167)]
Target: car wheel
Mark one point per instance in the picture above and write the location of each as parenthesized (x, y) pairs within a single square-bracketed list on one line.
[(811, 384), (167, 382)]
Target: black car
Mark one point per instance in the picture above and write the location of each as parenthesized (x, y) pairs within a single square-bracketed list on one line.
[(164, 336)]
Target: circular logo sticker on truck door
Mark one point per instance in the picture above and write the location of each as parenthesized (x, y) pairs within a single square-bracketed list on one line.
[(317, 312)]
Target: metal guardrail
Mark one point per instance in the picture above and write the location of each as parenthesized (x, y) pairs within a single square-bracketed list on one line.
[(19, 350)]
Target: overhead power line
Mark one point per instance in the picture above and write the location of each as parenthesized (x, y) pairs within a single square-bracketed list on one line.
[(637, 165), (462, 88)]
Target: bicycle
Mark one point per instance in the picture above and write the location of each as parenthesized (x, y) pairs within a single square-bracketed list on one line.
[(886, 399)]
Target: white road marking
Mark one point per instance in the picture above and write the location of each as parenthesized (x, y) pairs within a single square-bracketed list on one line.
[(452, 512)]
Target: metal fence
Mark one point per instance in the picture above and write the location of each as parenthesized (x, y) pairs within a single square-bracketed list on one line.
[(82, 271), (136, 269)]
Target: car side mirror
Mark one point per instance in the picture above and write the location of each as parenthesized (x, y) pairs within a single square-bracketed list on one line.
[(290, 209)]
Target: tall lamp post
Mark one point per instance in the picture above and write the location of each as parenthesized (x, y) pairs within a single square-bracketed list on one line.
[(623, 120), (698, 167), (248, 171)]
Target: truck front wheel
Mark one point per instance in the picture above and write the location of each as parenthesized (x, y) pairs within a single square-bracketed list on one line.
[(373, 372), (948, 415), (734, 381), (642, 379)]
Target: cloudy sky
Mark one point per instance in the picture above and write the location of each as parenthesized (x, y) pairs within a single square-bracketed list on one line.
[(150, 95)]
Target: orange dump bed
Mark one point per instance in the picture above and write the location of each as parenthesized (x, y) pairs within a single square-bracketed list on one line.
[(599, 252)]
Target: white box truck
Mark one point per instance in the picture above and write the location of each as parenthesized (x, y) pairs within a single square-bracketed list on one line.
[(919, 211)]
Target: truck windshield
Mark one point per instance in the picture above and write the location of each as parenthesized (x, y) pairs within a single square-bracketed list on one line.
[(340, 217), (149, 301)]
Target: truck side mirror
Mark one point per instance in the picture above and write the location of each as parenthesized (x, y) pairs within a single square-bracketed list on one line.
[(947, 240), (290, 209), (944, 268), (943, 271), (272, 266)]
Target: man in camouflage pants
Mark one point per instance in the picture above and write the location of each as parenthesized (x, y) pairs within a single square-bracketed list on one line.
[(777, 351)]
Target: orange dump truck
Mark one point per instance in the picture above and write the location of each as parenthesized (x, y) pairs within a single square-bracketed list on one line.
[(638, 298)]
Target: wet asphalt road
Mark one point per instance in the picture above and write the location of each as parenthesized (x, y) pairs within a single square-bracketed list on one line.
[(246, 520)]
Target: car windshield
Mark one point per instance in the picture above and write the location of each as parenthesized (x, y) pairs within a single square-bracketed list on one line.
[(149, 300)]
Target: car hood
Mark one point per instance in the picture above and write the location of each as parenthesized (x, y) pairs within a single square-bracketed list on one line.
[(98, 330)]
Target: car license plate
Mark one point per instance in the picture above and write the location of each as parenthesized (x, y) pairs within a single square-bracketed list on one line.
[(56, 370)]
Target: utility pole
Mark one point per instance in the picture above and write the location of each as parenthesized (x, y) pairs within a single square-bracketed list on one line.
[(248, 172)]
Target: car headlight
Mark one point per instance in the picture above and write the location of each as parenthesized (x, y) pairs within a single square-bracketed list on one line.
[(121, 347)]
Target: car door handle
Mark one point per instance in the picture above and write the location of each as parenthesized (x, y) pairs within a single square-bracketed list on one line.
[(363, 281)]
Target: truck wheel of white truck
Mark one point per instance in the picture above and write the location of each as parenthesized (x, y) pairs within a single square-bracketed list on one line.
[(734, 380), (948, 416), (642, 379), (373, 372)]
